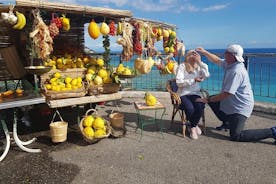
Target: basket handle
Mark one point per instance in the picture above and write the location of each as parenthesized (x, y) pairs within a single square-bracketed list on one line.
[(89, 110), (56, 113), (118, 110)]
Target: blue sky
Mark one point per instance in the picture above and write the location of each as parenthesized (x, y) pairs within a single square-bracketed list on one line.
[(208, 23)]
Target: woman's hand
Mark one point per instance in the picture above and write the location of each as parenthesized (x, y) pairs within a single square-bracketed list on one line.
[(199, 79)]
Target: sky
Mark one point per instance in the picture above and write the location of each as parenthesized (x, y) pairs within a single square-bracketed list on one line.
[(212, 24)]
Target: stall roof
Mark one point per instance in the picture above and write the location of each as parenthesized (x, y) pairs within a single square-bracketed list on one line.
[(155, 23), (74, 9)]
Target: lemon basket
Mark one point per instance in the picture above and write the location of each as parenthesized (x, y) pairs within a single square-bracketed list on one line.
[(84, 123), (73, 73), (58, 129)]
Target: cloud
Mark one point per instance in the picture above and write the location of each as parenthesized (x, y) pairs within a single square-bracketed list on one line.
[(215, 7)]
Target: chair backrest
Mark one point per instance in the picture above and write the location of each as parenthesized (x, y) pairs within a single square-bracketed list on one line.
[(172, 88)]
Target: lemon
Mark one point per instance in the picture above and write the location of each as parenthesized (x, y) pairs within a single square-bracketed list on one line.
[(99, 133), (150, 99), (167, 49), (127, 71), (98, 80), (88, 121), (68, 80), (48, 86), (98, 123), (91, 71), (69, 86), (100, 62), (57, 75), (171, 50), (89, 132), (102, 73), (85, 60), (59, 61), (79, 79), (52, 80), (170, 66), (79, 85), (107, 80), (88, 77), (74, 82)]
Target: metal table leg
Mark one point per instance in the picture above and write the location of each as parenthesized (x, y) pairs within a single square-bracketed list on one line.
[(8, 140), (20, 143)]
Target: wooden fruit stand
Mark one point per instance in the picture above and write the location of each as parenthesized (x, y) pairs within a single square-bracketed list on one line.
[(15, 55), (49, 45)]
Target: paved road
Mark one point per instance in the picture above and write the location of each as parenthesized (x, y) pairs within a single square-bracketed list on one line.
[(210, 159)]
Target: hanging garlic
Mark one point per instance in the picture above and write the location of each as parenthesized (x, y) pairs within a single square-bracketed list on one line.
[(12, 19), (5, 16)]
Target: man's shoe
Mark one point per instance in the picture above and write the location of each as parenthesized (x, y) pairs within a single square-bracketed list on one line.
[(224, 127)]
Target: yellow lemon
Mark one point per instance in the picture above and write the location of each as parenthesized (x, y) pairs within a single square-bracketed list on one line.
[(170, 66), (89, 132), (52, 80), (98, 123), (98, 80), (74, 82), (68, 80), (102, 73), (167, 49), (127, 71), (107, 80), (88, 77), (99, 133), (79, 79), (91, 71), (100, 62), (57, 75), (48, 86), (88, 121)]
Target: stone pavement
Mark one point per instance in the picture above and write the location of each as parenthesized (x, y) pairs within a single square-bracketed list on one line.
[(173, 159)]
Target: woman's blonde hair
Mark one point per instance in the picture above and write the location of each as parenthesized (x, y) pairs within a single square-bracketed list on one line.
[(189, 67)]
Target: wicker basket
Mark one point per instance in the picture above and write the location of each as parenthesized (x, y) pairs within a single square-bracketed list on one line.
[(94, 140), (76, 72), (52, 95), (111, 88), (58, 129), (94, 89)]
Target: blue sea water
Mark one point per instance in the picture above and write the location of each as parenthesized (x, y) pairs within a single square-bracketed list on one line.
[(262, 73)]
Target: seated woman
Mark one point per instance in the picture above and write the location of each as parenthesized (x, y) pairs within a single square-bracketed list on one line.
[(188, 76)]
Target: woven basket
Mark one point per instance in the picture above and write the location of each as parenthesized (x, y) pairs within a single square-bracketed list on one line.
[(73, 73), (94, 89), (111, 88), (94, 140), (52, 95), (58, 129)]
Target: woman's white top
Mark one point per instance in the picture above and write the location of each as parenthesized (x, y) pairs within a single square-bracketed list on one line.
[(186, 81)]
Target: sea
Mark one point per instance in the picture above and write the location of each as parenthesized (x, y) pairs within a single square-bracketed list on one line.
[(261, 69)]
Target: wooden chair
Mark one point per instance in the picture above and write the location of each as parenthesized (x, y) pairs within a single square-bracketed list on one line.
[(177, 108)]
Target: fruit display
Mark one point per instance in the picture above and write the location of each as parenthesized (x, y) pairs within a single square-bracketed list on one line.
[(94, 127), (122, 70), (150, 99), (58, 83)]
